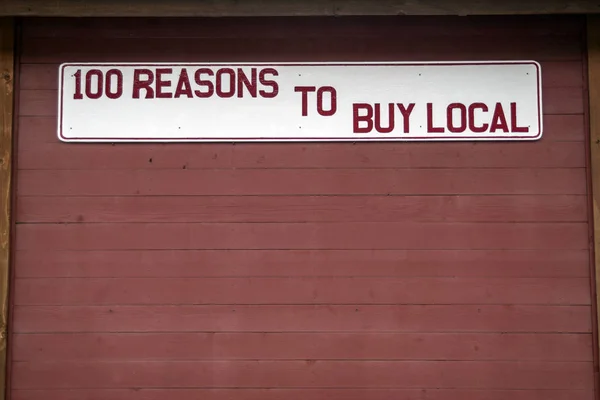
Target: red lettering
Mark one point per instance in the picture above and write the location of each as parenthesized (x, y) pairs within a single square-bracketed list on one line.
[(249, 84), (304, 90), (210, 88), (430, 127), (118, 75), (268, 82), (78, 95), (219, 78), (391, 124), (368, 118), (183, 85), (333, 98), (462, 117), (406, 111), (499, 119), (513, 120), (472, 126), (99, 83), (163, 84), (139, 83)]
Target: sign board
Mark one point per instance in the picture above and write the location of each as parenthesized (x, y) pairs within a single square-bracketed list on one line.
[(105, 102)]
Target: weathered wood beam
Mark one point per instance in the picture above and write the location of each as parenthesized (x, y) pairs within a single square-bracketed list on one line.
[(593, 39), (221, 8), (6, 135)]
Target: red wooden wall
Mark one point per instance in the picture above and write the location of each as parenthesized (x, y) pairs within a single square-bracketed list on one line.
[(367, 271)]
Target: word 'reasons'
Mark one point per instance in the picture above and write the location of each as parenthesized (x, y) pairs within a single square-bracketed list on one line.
[(204, 82)]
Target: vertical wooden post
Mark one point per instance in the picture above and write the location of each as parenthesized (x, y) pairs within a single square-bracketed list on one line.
[(7, 39), (593, 39)]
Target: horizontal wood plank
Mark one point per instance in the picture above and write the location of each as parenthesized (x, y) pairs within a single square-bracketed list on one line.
[(176, 291), (265, 27), (549, 263), (185, 8), (557, 100), (563, 100), (358, 235), (301, 394), (554, 74), (297, 346), (543, 154), (303, 318), (350, 48), (307, 373), (526, 208), (301, 182), (561, 74)]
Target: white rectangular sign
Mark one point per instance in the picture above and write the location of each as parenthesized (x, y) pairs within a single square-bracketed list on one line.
[(105, 102)]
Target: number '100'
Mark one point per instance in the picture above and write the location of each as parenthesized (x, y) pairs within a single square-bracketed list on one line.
[(98, 84)]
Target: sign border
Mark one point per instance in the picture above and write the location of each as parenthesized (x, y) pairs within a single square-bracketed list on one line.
[(297, 139)]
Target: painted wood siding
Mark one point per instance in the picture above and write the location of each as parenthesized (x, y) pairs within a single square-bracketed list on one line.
[(437, 271)]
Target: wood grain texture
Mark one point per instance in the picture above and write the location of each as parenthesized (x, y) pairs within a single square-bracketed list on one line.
[(6, 161), (232, 182), (547, 263), (75, 156), (297, 346), (304, 318), (342, 235), (296, 290), (523, 208), (308, 373), (187, 8), (302, 394)]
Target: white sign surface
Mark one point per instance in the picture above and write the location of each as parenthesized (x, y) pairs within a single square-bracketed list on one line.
[(300, 102)]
